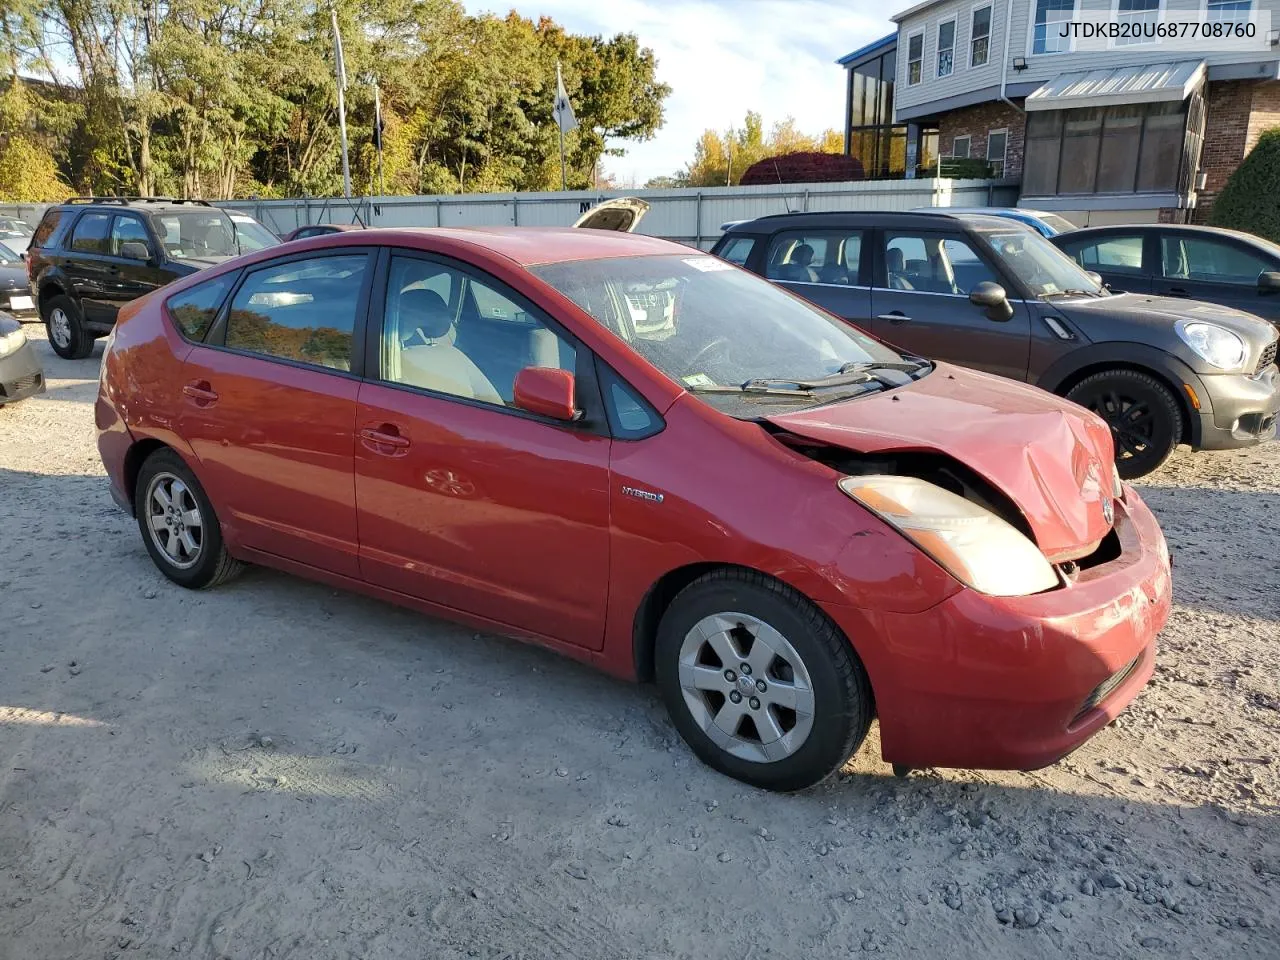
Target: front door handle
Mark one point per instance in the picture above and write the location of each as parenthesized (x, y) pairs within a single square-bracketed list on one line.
[(201, 391), (1177, 292), (894, 316), (384, 435)]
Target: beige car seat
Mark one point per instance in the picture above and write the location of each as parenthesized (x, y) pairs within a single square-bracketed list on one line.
[(430, 360)]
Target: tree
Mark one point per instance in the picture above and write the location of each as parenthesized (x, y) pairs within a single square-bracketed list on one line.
[(1248, 201), (720, 159), (217, 97), (27, 168)]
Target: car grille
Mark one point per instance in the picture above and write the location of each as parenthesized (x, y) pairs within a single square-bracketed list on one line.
[(25, 383), (1106, 687), (1268, 357)]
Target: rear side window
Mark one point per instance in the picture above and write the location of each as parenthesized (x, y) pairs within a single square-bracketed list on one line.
[(304, 310), (815, 256), (46, 228), (90, 233), (192, 311)]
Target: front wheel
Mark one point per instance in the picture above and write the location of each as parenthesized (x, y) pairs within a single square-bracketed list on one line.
[(759, 682), (1143, 414), (178, 525)]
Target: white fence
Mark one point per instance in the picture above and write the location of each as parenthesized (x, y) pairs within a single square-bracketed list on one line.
[(690, 215)]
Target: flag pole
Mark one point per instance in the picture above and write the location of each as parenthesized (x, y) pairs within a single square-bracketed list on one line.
[(564, 180), (340, 73), (377, 119)]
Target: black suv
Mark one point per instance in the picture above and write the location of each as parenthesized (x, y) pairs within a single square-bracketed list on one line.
[(989, 293), (91, 255)]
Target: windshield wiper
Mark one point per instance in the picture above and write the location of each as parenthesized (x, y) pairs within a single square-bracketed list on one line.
[(841, 379), (1069, 293), (752, 386)]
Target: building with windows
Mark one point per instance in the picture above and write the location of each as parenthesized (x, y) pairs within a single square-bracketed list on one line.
[(1100, 129)]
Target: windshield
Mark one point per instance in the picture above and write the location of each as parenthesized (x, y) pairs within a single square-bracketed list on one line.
[(16, 227), (195, 234), (1044, 269), (253, 235), (707, 324)]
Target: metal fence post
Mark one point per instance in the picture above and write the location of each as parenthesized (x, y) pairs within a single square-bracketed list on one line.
[(697, 226)]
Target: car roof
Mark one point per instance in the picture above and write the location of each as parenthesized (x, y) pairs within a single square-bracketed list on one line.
[(143, 205), (527, 246), (890, 219)]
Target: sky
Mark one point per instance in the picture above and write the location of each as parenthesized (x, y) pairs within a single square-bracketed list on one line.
[(723, 58)]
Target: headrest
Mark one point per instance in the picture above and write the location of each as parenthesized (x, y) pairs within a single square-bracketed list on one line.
[(424, 310), (802, 255), (894, 260)]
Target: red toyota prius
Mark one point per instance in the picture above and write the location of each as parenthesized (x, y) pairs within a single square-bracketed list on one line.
[(651, 460)]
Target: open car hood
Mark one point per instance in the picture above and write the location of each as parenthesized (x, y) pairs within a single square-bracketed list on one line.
[(1053, 459), (622, 214)]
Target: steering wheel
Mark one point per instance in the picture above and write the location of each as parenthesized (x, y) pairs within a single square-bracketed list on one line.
[(694, 361)]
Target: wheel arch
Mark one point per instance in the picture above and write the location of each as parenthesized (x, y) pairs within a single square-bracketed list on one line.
[(644, 630), (134, 459), (1168, 370)]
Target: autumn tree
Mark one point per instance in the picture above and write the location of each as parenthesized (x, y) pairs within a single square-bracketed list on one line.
[(720, 159)]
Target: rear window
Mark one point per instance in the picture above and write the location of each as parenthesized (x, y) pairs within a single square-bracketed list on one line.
[(46, 228), (193, 310)]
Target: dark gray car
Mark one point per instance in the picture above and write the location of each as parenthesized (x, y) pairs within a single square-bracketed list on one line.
[(994, 295), (1198, 263)]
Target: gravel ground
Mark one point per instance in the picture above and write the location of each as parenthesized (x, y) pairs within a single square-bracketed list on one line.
[(275, 769)]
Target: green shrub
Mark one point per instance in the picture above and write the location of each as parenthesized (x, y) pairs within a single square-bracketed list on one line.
[(1251, 199)]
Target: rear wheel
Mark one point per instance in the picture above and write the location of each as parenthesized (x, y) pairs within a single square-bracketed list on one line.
[(759, 682), (1143, 414), (178, 524), (65, 326)]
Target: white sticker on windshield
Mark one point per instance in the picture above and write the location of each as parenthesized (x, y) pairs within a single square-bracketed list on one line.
[(708, 264), (698, 380)]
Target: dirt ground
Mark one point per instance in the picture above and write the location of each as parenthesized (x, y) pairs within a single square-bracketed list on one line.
[(274, 769)]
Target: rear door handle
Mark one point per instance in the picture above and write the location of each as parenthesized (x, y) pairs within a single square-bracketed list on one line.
[(386, 435), (201, 392), (1177, 292), (894, 316)]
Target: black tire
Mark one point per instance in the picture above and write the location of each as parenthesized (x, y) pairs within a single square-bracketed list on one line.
[(1143, 414), (76, 342), (841, 693), (211, 565)]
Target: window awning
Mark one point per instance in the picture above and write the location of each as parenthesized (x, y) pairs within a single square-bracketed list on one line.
[(1146, 83)]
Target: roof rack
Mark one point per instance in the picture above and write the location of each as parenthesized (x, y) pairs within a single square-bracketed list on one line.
[(127, 200)]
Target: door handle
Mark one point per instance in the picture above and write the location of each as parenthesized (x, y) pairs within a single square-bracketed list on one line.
[(1177, 292), (894, 316), (201, 392), (385, 435)]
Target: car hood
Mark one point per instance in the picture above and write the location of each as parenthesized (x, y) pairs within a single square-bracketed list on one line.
[(1053, 459), (1159, 314)]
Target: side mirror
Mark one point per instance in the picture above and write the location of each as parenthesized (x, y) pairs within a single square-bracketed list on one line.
[(1095, 277), (993, 300), (135, 250), (546, 392), (1269, 281)]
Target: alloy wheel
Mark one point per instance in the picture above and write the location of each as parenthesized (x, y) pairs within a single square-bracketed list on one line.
[(1131, 421), (174, 520), (60, 327), (746, 687)]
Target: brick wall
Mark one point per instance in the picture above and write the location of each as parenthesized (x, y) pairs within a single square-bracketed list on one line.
[(1265, 113), (976, 122), (1236, 114)]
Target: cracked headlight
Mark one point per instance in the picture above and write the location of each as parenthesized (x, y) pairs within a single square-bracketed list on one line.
[(975, 546)]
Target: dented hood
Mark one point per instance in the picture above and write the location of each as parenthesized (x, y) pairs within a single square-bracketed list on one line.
[(1052, 458)]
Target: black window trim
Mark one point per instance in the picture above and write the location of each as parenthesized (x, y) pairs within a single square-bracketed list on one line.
[(604, 375), (880, 274), (587, 388), (215, 339), (146, 229), (71, 234), (218, 313), (1072, 246), (1233, 242), (866, 270)]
